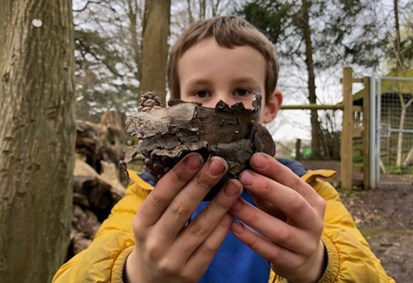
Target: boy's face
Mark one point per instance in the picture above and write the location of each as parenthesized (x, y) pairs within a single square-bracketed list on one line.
[(209, 73)]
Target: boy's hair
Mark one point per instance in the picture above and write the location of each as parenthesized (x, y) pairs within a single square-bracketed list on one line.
[(228, 31)]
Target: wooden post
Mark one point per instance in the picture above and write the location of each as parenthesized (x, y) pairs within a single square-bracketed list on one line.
[(298, 155), (346, 164), (366, 135)]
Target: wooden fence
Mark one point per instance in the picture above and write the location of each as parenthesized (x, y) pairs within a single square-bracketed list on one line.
[(350, 129)]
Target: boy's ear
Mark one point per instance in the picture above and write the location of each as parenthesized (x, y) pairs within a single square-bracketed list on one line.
[(272, 106)]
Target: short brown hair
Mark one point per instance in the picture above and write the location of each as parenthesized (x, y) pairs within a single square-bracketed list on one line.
[(228, 31)]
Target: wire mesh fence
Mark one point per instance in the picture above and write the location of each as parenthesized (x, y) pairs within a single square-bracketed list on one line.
[(396, 128)]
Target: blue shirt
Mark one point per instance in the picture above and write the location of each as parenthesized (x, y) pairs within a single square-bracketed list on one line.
[(234, 261)]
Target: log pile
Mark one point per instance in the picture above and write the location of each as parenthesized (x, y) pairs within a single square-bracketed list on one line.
[(99, 176)]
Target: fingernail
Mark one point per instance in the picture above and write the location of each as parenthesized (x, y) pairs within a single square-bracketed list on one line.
[(194, 161), (237, 227), (259, 161), (247, 178), (216, 167), (231, 189)]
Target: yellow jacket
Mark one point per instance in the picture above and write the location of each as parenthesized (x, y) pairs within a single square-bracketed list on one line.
[(349, 256)]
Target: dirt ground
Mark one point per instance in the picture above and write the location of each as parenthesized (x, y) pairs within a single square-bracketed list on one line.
[(385, 217)]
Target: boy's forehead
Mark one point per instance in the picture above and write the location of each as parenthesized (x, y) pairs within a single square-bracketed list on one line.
[(207, 57), (209, 47)]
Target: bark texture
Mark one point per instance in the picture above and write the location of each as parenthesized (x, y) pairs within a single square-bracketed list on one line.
[(37, 137)]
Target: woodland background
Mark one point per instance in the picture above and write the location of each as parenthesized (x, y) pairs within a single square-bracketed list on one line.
[(69, 72)]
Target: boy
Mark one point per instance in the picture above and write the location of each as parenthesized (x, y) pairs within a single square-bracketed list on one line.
[(289, 225)]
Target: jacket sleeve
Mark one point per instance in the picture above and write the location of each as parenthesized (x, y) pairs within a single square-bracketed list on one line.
[(104, 259), (350, 258)]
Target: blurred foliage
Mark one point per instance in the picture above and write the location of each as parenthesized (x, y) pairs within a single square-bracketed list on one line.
[(106, 53), (341, 30)]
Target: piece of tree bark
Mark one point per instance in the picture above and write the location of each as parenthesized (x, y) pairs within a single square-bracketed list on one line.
[(167, 134), (37, 137)]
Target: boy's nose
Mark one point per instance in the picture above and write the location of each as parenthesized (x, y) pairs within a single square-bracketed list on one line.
[(214, 99), (224, 97)]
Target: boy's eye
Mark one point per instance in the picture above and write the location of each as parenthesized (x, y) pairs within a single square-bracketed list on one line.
[(243, 92), (201, 93)]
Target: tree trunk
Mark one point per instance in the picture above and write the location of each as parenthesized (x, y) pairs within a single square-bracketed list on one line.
[(400, 135), (403, 106), (409, 158), (155, 47), (202, 9), (133, 12), (312, 96), (36, 138), (189, 11), (397, 51)]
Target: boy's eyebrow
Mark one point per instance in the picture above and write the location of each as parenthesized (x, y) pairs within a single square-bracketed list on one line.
[(246, 80), (198, 81), (236, 80)]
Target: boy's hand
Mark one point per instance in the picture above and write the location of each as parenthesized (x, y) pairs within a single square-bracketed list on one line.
[(289, 219), (167, 248)]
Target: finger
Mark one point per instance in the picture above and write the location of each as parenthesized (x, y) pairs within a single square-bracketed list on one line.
[(205, 223), (275, 230), (268, 207), (202, 257), (282, 259), (167, 188), (270, 167), (291, 203), (186, 201)]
